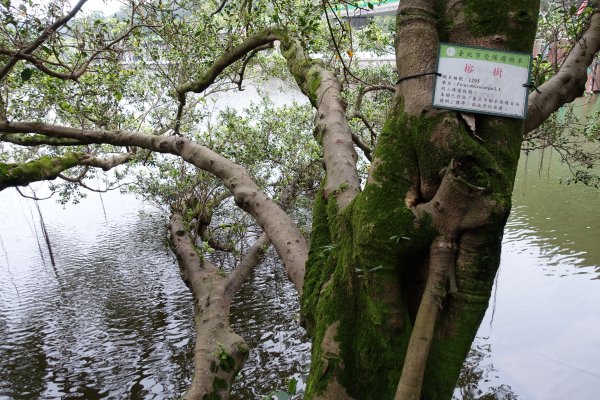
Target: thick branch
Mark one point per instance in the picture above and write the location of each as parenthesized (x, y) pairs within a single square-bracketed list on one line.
[(219, 352), (457, 206), (416, 43), (106, 163), (287, 239), (569, 82), (48, 168), (38, 140), (325, 93), (43, 168)]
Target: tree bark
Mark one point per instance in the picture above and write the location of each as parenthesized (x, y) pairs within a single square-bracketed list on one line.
[(219, 353), (325, 93), (569, 83)]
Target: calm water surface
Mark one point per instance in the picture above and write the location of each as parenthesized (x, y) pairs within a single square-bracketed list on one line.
[(540, 338), (113, 318)]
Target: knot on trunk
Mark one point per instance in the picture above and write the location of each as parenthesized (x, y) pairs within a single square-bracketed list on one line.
[(457, 205)]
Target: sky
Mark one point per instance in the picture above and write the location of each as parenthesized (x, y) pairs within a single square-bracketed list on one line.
[(107, 7)]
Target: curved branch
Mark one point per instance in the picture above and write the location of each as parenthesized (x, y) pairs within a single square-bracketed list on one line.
[(325, 93), (569, 82), (287, 239), (219, 9), (366, 149), (252, 42)]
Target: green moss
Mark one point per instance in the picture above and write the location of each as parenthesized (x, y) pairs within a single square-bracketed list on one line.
[(516, 20), (43, 168), (219, 385), (363, 259), (226, 361)]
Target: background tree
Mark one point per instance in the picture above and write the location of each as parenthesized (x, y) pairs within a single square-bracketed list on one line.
[(397, 273)]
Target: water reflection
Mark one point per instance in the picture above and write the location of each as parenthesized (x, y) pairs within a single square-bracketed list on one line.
[(113, 322), (542, 324), (114, 319), (264, 313)]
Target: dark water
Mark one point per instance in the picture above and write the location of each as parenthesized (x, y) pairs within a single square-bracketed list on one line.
[(113, 318)]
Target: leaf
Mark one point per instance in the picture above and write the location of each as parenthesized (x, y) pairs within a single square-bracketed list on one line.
[(292, 386), (370, 5), (26, 74)]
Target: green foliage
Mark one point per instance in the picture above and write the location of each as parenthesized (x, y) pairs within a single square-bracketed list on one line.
[(226, 362), (575, 137), (559, 26)]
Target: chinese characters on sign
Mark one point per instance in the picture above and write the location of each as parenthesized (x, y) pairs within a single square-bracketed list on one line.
[(482, 80)]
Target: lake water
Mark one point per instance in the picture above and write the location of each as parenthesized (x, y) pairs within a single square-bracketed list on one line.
[(540, 338)]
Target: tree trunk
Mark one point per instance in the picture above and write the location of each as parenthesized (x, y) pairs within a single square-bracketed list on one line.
[(428, 222)]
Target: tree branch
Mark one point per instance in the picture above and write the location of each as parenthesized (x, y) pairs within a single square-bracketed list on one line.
[(41, 39), (38, 140), (254, 257), (569, 82), (416, 20), (251, 43), (219, 352), (287, 239), (49, 168), (325, 93)]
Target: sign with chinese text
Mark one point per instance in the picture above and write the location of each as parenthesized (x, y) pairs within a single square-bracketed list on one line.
[(482, 80)]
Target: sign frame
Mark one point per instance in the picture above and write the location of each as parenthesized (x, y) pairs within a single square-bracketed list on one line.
[(485, 50)]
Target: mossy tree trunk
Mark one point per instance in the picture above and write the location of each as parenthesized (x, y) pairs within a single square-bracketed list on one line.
[(398, 281)]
